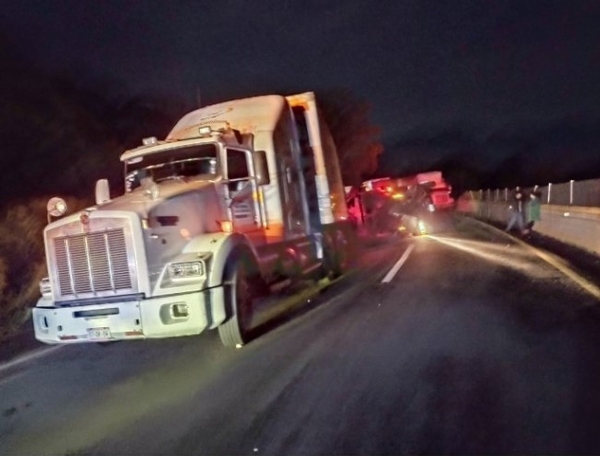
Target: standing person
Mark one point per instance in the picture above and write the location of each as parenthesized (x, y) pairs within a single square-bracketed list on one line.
[(516, 211), (533, 210)]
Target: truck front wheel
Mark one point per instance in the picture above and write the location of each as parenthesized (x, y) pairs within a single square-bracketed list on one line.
[(241, 282)]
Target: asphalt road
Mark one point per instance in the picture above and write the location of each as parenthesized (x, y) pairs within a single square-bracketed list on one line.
[(464, 341)]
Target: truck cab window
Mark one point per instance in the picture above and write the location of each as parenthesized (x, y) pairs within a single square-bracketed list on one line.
[(181, 163), (238, 173)]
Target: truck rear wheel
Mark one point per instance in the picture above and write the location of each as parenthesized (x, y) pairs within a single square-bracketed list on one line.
[(335, 261), (241, 291)]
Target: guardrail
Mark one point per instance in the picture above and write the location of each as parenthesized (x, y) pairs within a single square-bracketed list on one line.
[(573, 193), (570, 211)]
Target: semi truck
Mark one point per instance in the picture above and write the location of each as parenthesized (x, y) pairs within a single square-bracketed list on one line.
[(240, 199), (438, 189)]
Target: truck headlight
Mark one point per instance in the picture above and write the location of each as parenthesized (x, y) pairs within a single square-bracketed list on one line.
[(186, 269), (45, 288)]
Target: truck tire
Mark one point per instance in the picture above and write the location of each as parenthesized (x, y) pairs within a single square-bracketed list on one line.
[(241, 282), (335, 259)]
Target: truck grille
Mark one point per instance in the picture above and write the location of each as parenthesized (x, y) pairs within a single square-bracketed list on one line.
[(90, 263)]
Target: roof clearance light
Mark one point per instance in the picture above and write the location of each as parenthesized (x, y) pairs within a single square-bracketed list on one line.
[(149, 141), (205, 130)]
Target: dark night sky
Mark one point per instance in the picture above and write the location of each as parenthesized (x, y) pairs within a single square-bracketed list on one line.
[(474, 73)]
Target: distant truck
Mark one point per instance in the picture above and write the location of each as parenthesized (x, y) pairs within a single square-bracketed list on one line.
[(401, 204), (378, 200), (437, 188), (240, 198)]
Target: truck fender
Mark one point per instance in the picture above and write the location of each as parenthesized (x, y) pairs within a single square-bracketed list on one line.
[(225, 249), (221, 246)]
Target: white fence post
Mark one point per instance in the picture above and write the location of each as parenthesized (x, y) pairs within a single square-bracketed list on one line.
[(571, 182)]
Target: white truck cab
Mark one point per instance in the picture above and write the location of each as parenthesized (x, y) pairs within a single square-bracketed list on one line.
[(239, 197)]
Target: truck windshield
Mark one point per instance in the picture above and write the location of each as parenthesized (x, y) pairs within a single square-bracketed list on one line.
[(177, 163)]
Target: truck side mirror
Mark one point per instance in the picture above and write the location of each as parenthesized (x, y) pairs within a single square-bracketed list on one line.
[(261, 167), (102, 191)]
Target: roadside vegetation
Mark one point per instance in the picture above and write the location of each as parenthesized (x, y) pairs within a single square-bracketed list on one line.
[(22, 260), (59, 134)]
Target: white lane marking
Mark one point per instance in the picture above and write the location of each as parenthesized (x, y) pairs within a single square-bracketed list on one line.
[(392, 272), (29, 357)]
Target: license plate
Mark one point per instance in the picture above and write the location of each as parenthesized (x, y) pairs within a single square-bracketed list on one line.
[(99, 333)]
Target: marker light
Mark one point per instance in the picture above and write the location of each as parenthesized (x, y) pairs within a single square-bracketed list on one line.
[(204, 130), (226, 226)]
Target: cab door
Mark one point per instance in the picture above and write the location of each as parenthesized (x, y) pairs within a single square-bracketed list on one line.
[(241, 190)]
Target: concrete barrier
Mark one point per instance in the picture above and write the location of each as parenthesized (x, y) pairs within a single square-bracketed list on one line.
[(575, 225)]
